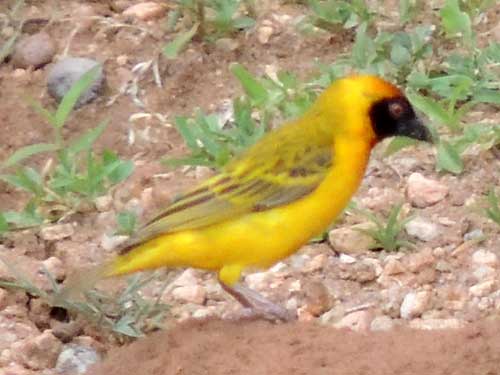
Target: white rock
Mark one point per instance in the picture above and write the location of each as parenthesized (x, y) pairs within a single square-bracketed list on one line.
[(474, 235), (347, 259), (393, 267), (485, 257), (264, 33), (258, 280), (358, 321), (109, 242), (429, 324), (351, 240), (191, 294), (483, 273), (187, 278), (76, 359), (482, 289), (292, 304), (278, 267), (317, 263), (104, 203), (295, 286), (57, 232), (382, 323), (146, 11), (204, 313), (422, 229), (55, 267), (414, 304), (423, 192)]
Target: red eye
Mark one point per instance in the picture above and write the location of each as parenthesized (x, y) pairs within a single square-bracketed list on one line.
[(396, 109)]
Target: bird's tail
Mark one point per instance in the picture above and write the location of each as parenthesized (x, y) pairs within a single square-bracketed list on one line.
[(85, 279)]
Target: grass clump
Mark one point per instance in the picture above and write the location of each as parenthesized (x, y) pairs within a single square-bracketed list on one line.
[(73, 178), (387, 231)]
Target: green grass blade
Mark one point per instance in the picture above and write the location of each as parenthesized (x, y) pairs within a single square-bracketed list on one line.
[(399, 143), (448, 159), (86, 140), (69, 100), (26, 152), (252, 87), (172, 49)]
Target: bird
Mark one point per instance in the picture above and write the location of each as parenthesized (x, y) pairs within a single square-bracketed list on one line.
[(270, 200)]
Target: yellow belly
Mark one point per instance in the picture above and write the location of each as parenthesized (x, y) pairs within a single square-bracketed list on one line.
[(257, 239)]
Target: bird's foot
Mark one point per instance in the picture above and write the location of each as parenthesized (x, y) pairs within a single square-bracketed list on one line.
[(257, 306)]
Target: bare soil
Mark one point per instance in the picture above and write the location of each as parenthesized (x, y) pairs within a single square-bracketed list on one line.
[(256, 347)]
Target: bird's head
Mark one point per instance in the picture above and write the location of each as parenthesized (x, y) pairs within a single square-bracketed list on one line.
[(373, 109)]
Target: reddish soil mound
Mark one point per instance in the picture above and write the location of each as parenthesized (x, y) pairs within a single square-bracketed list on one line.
[(257, 347)]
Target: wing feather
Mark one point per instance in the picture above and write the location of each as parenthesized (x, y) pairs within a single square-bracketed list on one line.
[(261, 179)]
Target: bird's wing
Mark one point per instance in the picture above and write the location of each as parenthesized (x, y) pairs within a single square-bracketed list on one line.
[(265, 177)]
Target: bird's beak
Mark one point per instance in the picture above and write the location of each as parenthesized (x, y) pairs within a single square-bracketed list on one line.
[(414, 128)]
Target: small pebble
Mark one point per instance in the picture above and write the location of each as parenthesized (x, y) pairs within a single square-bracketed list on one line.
[(414, 304), (264, 33), (146, 11), (423, 192), (422, 229), (76, 359), (34, 51), (485, 257)]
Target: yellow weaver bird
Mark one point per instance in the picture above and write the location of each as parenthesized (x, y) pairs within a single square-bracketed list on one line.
[(268, 202)]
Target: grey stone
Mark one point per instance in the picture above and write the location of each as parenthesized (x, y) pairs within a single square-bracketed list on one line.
[(68, 71), (76, 359)]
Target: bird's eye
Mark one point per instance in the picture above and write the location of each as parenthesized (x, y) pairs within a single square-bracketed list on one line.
[(396, 109)]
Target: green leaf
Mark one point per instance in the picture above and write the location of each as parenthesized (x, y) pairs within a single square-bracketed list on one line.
[(406, 8), (27, 179), (28, 217), (455, 21), (430, 107), (4, 226), (69, 100), (115, 169), (363, 51), (398, 143), (243, 23), (448, 158), (185, 127), (172, 49), (252, 87), (26, 152), (487, 96), (127, 221), (125, 326), (87, 139), (400, 55), (188, 160)]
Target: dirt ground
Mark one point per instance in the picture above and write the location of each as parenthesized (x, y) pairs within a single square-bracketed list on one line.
[(256, 347), (350, 304)]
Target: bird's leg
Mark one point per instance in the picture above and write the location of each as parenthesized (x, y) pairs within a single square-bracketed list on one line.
[(258, 304)]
